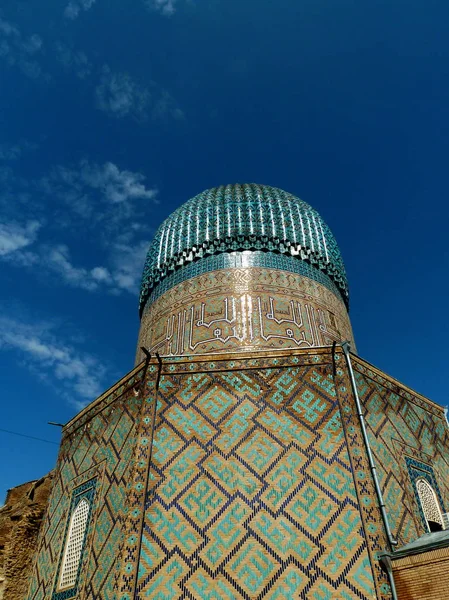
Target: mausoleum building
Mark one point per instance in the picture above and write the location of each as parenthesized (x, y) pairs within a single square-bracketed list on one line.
[(251, 453)]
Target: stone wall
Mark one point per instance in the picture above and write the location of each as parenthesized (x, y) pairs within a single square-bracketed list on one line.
[(20, 520)]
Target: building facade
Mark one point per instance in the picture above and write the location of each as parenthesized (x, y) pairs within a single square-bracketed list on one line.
[(250, 453)]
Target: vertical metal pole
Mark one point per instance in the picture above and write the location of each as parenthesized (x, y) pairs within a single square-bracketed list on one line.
[(346, 349)]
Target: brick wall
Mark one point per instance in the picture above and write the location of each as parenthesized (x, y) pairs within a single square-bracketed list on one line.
[(423, 576)]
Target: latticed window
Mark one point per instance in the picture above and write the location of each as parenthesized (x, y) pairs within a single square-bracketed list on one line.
[(430, 506), (74, 545)]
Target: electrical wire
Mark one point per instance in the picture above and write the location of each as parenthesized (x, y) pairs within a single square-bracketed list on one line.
[(31, 437)]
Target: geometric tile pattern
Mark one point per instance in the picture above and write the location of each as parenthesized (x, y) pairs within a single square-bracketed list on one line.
[(242, 476), (85, 491), (253, 493), (406, 432), (364, 486), (419, 470), (98, 446), (233, 260)]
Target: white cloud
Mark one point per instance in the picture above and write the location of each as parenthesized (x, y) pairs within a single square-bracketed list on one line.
[(165, 7), (108, 202), (8, 29), (15, 151), (123, 274), (100, 274), (57, 259), (74, 7), (20, 51), (114, 185), (6, 176), (165, 106), (101, 197), (127, 261), (14, 237), (73, 60), (53, 358), (119, 95), (11, 152)]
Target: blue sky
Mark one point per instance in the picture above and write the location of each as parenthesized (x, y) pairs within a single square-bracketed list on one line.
[(114, 113)]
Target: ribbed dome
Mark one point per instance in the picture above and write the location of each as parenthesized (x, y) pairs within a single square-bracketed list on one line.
[(242, 217)]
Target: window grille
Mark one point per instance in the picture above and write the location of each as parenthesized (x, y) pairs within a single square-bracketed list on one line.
[(429, 504), (74, 545), (445, 520)]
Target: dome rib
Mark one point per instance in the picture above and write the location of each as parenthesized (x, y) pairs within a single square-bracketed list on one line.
[(242, 217)]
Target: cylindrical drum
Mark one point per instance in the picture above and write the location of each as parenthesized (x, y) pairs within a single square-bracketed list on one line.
[(243, 268)]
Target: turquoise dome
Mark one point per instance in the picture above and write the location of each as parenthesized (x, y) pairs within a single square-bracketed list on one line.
[(238, 217)]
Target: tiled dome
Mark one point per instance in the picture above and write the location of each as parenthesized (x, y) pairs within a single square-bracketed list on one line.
[(242, 217)]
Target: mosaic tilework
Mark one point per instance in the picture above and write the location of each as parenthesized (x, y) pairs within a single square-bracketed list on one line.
[(98, 445), (84, 491), (132, 379), (138, 487), (243, 309), (362, 480), (242, 476), (419, 470), (242, 217), (404, 429), (239, 260), (251, 492)]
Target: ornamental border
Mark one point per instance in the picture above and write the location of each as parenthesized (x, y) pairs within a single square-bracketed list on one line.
[(84, 490), (418, 469), (230, 261)]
